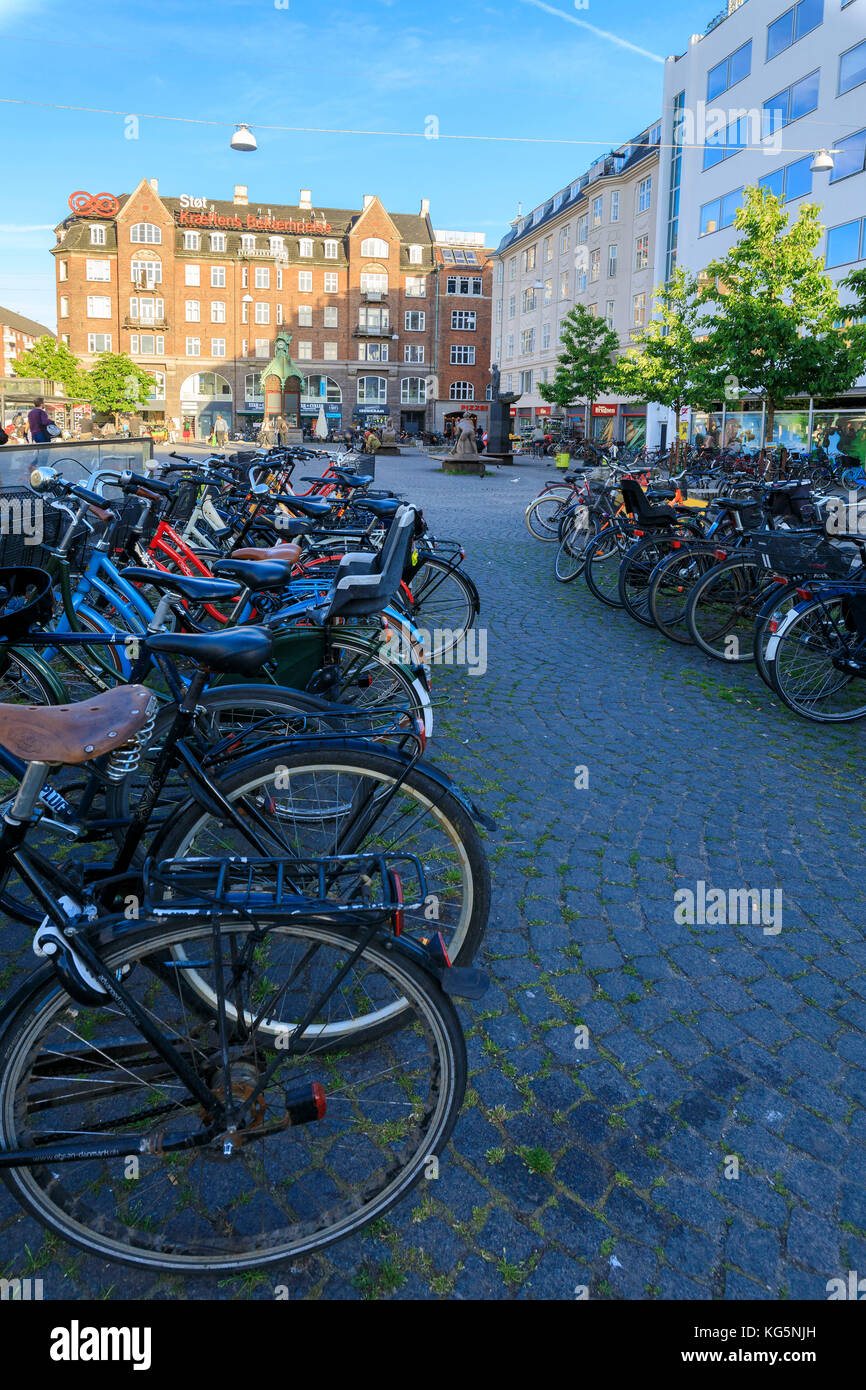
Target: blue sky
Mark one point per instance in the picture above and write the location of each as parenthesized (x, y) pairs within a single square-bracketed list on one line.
[(543, 73)]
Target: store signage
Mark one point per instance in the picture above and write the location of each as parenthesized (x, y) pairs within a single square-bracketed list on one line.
[(605, 410), (94, 204), (313, 408), (188, 202), (188, 217)]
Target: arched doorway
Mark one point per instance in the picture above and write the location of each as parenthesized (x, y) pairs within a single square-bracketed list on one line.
[(203, 397)]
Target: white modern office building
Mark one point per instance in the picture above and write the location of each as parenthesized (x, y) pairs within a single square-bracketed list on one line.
[(752, 101)]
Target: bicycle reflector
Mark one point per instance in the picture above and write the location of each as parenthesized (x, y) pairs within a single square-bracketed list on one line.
[(675, 545), (395, 893), (721, 554), (304, 1104)]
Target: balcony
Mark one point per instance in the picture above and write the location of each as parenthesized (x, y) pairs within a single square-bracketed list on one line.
[(361, 332), (374, 296), (144, 325)]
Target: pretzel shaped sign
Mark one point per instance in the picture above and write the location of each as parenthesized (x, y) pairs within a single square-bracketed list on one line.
[(94, 204)]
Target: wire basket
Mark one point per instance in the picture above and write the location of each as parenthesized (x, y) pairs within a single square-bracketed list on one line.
[(29, 528), (797, 555)]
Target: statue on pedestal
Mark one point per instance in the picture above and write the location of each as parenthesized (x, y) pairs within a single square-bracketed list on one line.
[(464, 439), (494, 378)]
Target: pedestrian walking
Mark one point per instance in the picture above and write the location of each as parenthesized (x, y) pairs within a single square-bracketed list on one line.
[(221, 431), (38, 421), (173, 426), (281, 431)]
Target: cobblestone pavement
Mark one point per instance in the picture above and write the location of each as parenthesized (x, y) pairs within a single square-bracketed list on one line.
[(606, 1167)]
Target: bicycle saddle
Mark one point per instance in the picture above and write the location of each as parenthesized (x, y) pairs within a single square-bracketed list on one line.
[(203, 589), (238, 650), (257, 574), (352, 479), (75, 733), (302, 505), (381, 506), (287, 552)]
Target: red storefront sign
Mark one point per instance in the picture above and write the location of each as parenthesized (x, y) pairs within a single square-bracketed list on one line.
[(543, 409), (94, 204), (605, 410), (250, 223)]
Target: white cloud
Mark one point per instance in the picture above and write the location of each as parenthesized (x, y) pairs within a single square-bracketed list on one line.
[(599, 33)]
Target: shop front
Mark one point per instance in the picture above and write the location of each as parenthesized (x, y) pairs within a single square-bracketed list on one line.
[(321, 392), (603, 420), (837, 426), (633, 421), (203, 397)]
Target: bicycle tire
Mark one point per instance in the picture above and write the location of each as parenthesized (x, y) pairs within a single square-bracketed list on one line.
[(190, 1211)]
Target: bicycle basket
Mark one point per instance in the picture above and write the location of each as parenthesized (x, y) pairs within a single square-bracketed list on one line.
[(25, 599), (796, 555), (26, 518)]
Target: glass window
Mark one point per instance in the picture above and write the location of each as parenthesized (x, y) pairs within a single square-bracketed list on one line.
[(97, 236), (97, 270), (277, 245), (217, 311), (305, 315), (852, 68), (461, 391), (413, 390), (99, 342), (597, 208), (305, 246), (305, 281), (372, 282), (263, 347), (263, 313), (464, 319), (330, 352), (413, 352), (780, 34), (193, 311), (595, 264), (639, 310), (416, 286), (375, 246), (193, 347), (641, 252), (217, 241), (843, 243), (729, 205), (218, 277), (146, 232), (191, 241), (305, 350), (564, 239), (804, 96), (98, 306), (611, 260), (850, 157), (372, 390), (330, 250), (415, 320), (462, 354), (217, 347), (644, 194), (798, 179), (807, 16), (192, 275), (415, 255), (263, 277), (332, 282), (729, 71), (331, 319)]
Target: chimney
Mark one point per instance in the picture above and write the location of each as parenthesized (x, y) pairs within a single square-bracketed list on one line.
[(240, 198), (154, 183), (425, 207), (306, 199), (368, 198)]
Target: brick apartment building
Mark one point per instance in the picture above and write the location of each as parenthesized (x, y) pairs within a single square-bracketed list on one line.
[(464, 324), (17, 334), (196, 290)]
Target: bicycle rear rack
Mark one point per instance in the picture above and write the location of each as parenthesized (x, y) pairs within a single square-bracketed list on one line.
[(363, 887)]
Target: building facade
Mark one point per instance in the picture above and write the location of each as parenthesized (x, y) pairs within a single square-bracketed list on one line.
[(749, 103), (17, 334), (196, 291), (463, 318), (591, 243)]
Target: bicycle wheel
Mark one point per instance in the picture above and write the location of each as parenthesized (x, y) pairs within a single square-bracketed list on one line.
[(601, 569), (722, 608), (801, 657), (638, 564), (315, 801), (772, 613), (444, 604), (25, 680), (571, 555), (670, 585), (285, 1189), (543, 513), (368, 677)]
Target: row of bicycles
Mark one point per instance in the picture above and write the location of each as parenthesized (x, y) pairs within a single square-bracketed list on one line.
[(252, 897), (773, 577)]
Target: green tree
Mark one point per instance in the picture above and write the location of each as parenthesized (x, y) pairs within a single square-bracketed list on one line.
[(117, 384), (585, 366), (668, 363), (51, 360), (773, 325)]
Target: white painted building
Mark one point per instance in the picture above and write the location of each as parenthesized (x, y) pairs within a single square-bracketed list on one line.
[(750, 102), (592, 243)]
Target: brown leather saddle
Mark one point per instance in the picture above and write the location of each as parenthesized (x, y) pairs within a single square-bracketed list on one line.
[(75, 733)]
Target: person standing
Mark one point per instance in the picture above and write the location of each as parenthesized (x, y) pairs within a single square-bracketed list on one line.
[(282, 432), (38, 421), (537, 442), (221, 430), (172, 430)]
